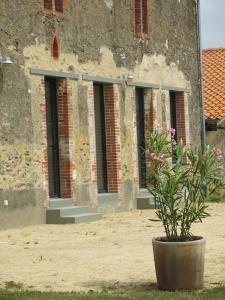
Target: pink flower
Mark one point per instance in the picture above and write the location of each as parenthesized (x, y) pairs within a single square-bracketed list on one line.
[(171, 131), (218, 153)]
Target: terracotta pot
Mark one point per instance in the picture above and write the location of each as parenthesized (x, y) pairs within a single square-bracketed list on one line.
[(179, 265)]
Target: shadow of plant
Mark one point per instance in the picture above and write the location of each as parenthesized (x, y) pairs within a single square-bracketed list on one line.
[(119, 287)]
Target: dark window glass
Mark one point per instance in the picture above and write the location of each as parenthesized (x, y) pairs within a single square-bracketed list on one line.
[(141, 17), (145, 16), (173, 119), (59, 5), (48, 4), (173, 113), (137, 16), (55, 48)]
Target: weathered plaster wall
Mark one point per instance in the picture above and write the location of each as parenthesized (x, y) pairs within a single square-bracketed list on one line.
[(129, 146), (82, 154), (95, 37)]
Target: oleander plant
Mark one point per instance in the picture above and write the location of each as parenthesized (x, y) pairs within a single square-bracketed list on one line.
[(182, 180)]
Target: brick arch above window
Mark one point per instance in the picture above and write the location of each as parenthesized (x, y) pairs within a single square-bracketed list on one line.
[(55, 48), (141, 18)]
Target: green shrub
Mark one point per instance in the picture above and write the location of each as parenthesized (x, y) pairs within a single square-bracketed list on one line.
[(181, 187)]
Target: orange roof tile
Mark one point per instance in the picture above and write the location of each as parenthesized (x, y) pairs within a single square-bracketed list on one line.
[(214, 82)]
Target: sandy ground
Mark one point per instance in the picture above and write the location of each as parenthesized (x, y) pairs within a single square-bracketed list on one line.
[(113, 252)]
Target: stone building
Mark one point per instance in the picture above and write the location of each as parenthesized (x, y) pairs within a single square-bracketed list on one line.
[(88, 82)]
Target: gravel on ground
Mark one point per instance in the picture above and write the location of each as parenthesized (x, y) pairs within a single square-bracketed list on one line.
[(114, 252)]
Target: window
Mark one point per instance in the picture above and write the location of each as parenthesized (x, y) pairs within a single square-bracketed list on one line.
[(48, 4), (173, 113), (179, 116), (54, 7), (55, 48), (59, 5), (141, 17), (173, 120)]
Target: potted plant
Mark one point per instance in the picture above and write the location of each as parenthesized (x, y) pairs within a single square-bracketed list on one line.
[(181, 180)]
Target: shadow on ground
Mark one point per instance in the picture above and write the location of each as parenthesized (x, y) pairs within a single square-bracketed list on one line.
[(116, 286)]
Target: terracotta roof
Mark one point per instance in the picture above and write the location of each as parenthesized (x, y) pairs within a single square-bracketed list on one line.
[(214, 82)]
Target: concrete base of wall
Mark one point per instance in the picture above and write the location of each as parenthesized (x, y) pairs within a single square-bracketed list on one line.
[(107, 202), (145, 200), (25, 207)]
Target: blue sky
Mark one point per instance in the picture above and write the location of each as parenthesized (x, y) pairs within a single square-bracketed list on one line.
[(212, 23)]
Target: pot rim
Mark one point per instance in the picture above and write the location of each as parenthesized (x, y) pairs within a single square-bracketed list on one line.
[(199, 240)]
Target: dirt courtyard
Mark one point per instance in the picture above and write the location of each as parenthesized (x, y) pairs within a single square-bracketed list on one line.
[(113, 252)]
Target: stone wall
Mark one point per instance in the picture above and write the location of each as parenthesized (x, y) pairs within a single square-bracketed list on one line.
[(95, 38)]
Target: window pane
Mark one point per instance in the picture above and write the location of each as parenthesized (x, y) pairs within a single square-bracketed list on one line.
[(55, 48), (145, 16), (59, 5), (137, 16), (48, 4), (173, 119), (173, 112)]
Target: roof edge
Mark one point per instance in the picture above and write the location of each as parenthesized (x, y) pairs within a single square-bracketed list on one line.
[(213, 49)]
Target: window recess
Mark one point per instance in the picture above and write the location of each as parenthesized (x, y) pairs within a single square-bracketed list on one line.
[(141, 18)]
